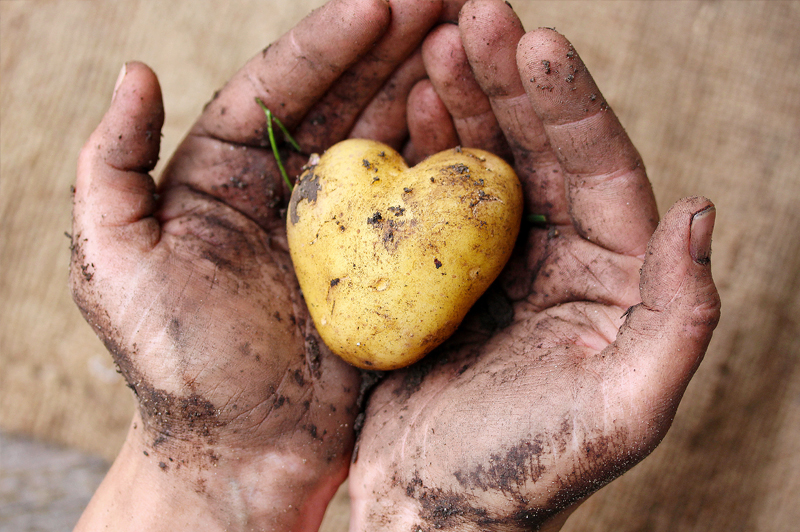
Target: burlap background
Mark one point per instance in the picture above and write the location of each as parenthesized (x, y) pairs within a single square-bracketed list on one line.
[(709, 91)]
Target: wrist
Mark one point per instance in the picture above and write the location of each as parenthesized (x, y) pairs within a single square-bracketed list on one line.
[(189, 485)]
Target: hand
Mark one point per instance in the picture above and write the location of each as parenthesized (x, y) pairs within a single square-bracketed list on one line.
[(580, 378), (245, 419)]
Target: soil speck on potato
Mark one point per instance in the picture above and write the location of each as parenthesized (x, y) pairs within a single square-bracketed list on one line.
[(459, 168), (307, 188)]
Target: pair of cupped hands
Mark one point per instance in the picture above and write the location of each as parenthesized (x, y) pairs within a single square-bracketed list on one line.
[(567, 374)]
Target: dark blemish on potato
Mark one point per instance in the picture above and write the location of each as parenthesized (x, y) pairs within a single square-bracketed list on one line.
[(277, 316), (279, 401), (481, 197), (571, 54), (459, 168), (398, 211), (306, 189), (570, 78), (382, 154), (458, 149), (163, 466), (407, 190), (432, 180), (298, 377), (437, 263), (375, 219), (546, 65), (365, 163), (334, 282)]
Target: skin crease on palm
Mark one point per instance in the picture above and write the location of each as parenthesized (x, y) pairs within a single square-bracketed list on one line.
[(552, 387)]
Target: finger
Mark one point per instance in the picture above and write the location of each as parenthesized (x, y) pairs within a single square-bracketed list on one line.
[(490, 31), (290, 75), (449, 72), (384, 119), (665, 337), (331, 119), (114, 194), (610, 199), (222, 157), (430, 126)]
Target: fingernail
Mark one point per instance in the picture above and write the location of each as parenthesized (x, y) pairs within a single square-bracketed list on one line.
[(700, 235), (119, 80)]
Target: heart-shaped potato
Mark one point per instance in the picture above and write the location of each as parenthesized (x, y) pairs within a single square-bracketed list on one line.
[(391, 258)]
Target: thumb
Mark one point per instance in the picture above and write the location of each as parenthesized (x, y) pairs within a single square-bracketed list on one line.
[(114, 195), (113, 187), (665, 337)]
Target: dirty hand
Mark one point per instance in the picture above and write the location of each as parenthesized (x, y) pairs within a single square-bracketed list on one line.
[(245, 419), (510, 428)]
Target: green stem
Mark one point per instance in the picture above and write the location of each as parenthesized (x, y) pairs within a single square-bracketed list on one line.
[(274, 145)]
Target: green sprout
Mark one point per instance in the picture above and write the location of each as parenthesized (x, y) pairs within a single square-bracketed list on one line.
[(537, 218), (270, 132)]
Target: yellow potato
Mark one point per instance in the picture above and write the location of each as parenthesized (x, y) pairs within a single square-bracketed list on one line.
[(390, 259)]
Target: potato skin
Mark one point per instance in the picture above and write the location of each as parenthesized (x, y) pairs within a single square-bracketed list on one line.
[(390, 259)]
